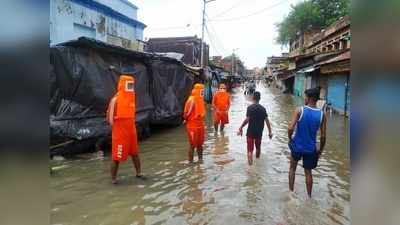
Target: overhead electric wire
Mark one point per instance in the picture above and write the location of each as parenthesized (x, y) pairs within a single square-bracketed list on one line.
[(214, 42), (252, 14), (175, 28), (211, 41), (218, 40), (229, 9), (214, 38), (238, 3)]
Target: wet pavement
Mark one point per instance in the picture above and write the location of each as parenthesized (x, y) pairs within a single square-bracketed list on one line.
[(224, 189)]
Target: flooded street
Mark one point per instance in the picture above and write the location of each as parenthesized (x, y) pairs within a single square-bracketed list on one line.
[(224, 189)]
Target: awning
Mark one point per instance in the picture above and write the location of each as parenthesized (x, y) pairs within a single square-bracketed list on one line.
[(288, 76), (285, 75), (308, 69)]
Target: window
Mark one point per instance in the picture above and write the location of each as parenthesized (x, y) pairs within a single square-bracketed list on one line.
[(130, 86)]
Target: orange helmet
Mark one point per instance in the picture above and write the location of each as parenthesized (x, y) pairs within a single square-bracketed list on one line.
[(197, 98), (126, 106), (198, 90)]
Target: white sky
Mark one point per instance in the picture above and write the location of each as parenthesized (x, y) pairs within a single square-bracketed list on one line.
[(248, 25)]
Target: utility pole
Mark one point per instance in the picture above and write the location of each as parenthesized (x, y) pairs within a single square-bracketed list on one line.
[(233, 60), (202, 33)]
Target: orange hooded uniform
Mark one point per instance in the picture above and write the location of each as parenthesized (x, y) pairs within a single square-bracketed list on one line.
[(221, 102), (194, 114), (121, 115)]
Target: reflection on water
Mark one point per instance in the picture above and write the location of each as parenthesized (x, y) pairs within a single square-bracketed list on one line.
[(223, 189)]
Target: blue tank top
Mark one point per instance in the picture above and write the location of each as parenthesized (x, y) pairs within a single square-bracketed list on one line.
[(305, 137)]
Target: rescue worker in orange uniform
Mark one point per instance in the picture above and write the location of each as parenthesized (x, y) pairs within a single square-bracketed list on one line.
[(121, 115), (221, 103), (193, 116)]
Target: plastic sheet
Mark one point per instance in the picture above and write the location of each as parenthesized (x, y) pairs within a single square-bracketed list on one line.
[(83, 82)]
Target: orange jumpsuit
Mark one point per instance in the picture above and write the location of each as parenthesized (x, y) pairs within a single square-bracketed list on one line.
[(121, 116), (194, 114), (221, 103)]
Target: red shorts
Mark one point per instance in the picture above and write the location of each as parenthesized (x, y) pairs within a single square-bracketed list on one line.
[(221, 117), (253, 141), (195, 135), (124, 139)]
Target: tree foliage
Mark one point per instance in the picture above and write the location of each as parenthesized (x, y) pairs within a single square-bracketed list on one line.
[(332, 10), (309, 15)]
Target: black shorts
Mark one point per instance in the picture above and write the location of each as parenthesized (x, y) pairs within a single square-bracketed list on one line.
[(310, 160)]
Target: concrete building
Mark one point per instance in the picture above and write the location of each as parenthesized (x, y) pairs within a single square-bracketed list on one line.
[(275, 63), (114, 22), (324, 61), (188, 46), (276, 70), (333, 38), (238, 66), (298, 46), (335, 80), (216, 60)]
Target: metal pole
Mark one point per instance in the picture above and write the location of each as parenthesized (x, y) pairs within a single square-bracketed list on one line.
[(236, 68), (202, 36), (202, 33), (233, 61), (234, 64)]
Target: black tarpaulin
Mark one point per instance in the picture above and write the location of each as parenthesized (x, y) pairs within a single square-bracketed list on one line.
[(82, 83), (83, 86), (171, 86)]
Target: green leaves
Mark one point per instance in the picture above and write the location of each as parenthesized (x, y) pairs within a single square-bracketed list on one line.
[(310, 15)]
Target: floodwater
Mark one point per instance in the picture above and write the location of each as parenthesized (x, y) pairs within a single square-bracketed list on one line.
[(223, 189)]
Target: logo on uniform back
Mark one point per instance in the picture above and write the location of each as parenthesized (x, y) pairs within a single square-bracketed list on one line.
[(119, 151)]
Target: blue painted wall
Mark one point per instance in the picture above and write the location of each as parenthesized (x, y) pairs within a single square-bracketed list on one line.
[(299, 83), (111, 21), (337, 92)]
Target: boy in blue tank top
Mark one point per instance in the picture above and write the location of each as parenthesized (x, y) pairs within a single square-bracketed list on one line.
[(306, 122)]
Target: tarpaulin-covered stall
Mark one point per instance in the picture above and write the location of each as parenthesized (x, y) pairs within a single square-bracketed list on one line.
[(83, 79), (171, 84)]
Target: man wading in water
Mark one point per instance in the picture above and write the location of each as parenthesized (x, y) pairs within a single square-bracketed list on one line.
[(307, 120), (121, 114), (255, 117), (221, 103), (193, 117)]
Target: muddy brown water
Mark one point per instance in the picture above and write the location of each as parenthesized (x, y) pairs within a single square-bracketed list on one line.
[(221, 190)]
